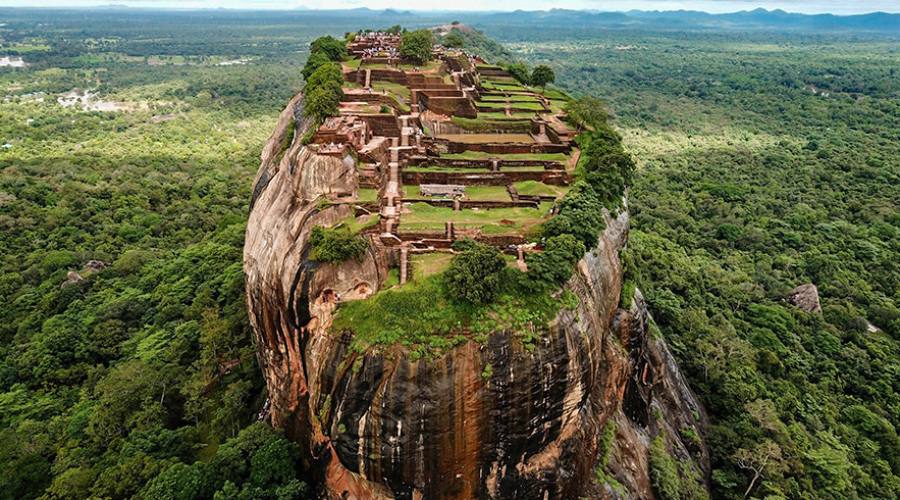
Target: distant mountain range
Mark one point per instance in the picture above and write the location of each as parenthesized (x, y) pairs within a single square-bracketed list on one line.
[(675, 19), (758, 19), (681, 19)]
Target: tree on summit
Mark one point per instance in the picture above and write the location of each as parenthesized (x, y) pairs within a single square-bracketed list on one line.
[(474, 274), (542, 75), (416, 46)]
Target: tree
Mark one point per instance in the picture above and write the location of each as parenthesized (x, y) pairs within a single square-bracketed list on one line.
[(177, 482), (542, 75), (323, 92), (313, 63), (453, 40), (475, 274), (416, 46), (763, 459), (553, 266), (323, 50), (587, 112), (333, 48)]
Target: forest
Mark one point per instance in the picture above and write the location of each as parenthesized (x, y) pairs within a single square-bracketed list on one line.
[(765, 160)]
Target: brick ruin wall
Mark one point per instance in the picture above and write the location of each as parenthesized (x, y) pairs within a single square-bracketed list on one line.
[(510, 148), (450, 106), (551, 177)]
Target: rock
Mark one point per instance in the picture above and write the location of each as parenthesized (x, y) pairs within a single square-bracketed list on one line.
[(385, 424), (806, 297), (95, 266), (71, 278)]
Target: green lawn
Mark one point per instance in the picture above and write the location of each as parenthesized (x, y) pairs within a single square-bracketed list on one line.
[(361, 223), (427, 264), (352, 63), (394, 88), (489, 104), (510, 98), (536, 188), (424, 217), (495, 85), (367, 195), (484, 123), (420, 316), (523, 168), (527, 105), (515, 115), (487, 193), (449, 170)]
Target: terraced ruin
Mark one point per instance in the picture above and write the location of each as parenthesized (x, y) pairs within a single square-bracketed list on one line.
[(373, 219), (453, 149)]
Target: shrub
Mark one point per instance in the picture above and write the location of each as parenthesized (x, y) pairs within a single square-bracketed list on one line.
[(336, 245), (580, 215), (474, 275), (664, 471), (553, 266)]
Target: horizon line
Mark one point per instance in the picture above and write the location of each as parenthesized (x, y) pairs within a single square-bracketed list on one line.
[(110, 6)]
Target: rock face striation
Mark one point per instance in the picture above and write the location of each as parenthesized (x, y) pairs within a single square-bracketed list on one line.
[(490, 419)]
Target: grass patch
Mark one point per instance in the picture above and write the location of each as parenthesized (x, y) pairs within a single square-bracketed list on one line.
[(420, 316), (536, 106), (492, 105), (488, 138), (537, 188), (487, 193), (556, 94), (361, 223), (510, 98), (499, 85), (523, 168), (352, 64), (397, 89), (424, 217), (484, 124), (427, 264), (500, 115), (393, 278), (367, 195)]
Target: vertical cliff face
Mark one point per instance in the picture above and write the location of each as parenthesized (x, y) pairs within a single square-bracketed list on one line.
[(483, 420)]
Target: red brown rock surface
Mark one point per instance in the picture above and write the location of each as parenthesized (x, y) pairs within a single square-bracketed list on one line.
[(381, 424)]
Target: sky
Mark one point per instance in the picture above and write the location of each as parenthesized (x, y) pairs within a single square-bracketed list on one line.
[(803, 6)]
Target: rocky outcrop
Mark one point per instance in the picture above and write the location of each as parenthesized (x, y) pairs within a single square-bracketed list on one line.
[(657, 402), (496, 419), (806, 297)]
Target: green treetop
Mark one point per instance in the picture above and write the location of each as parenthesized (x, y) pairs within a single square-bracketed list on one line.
[(416, 46), (542, 75)]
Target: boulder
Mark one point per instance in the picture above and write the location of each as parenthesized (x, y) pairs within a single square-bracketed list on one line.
[(806, 297)]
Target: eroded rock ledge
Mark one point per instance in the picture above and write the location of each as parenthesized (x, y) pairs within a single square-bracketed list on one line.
[(495, 419)]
